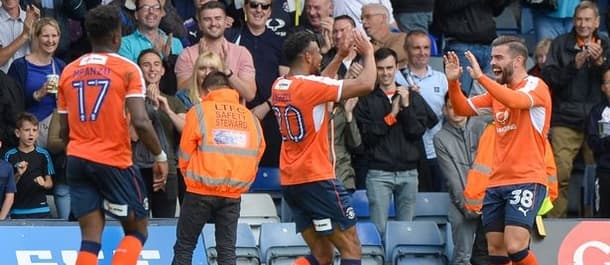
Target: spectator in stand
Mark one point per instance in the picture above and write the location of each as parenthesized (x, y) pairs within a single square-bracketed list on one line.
[(573, 70), (432, 85), (239, 66), (598, 138), (353, 8), (192, 28), (342, 28), (57, 148), (319, 20), (148, 15), (15, 27), (61, 11), (38, 73), (269, 62), (33, 170), (375, 19), (469, 26), (344, 129), (413, 14), (7, 188), (392, 120), (456, 144), (551, 24), (11, 104), (170, 23), (542, 48), (206, 63), (165, 112)]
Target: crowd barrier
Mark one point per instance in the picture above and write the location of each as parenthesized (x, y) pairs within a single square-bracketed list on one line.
[(57, 243), (568, 242)]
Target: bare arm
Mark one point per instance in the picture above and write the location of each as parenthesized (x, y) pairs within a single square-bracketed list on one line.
[(9, 198), (146, 134), (244, 84), (365, 82), (6, 52)]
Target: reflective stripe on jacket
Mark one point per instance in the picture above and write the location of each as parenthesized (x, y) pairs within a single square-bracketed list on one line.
[(221, 145), (478, 175)]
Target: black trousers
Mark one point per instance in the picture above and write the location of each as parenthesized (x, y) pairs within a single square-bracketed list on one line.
[(195, 212), (162, 203)]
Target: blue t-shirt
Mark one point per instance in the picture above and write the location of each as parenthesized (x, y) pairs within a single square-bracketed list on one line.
[(36, 77), (7, 180)]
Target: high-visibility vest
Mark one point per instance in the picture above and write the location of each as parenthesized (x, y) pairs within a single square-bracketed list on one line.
[(478, 175), (225, 146), (480, 171)]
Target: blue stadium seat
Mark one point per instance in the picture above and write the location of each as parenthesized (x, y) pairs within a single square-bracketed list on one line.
[(280, 244), (267, 180), (372, 246), (414, 242), (434, 50), (245, 248), (361, 205), (432, 206), (257, 209)]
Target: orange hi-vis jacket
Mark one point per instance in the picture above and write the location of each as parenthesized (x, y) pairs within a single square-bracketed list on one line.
[(480, 171), (221, 145)]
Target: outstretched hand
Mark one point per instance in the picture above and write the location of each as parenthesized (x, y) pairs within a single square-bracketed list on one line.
[(474, 69), (453, 70)]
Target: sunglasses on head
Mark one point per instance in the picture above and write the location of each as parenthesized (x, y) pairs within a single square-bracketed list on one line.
[(255, 5)]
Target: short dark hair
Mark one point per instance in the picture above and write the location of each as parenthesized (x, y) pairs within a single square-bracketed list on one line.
[(516, 45), (297, 43), (137, 3), (215, 79), (212, 5), (147, 51), (346, 17), (415, 32), (23, 117), (101, 22), (383, 53)]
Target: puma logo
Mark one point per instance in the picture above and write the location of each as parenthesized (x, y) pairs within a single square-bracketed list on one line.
[(524, 211)]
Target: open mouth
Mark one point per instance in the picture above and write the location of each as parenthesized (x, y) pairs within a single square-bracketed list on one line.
[(497, 71)]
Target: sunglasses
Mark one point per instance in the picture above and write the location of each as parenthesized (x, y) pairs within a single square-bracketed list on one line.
[(255, 5)]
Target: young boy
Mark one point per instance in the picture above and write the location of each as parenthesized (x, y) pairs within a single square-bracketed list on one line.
[(33, 170), (7, 188)]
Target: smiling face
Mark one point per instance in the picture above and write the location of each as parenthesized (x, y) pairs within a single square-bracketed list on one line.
[(258, 12), (212, 23), (27, 134), (386, 68), (149, 14), (342, 28), (418, 50), (316, 10), (152, 68), (48, 39), (586, 21)]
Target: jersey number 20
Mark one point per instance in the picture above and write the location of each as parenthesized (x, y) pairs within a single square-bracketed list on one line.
[(81, 89), (292, 125)]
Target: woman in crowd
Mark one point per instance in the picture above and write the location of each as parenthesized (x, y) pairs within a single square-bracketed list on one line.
[(206, 62), (38, 73)]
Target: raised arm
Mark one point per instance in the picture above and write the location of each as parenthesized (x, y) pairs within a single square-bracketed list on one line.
[(453, 71), (364, 83)]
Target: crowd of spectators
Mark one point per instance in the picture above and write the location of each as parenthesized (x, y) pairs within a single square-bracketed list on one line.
[(379, 144)]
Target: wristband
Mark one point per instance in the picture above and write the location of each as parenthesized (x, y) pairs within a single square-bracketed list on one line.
[(162, 157)]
